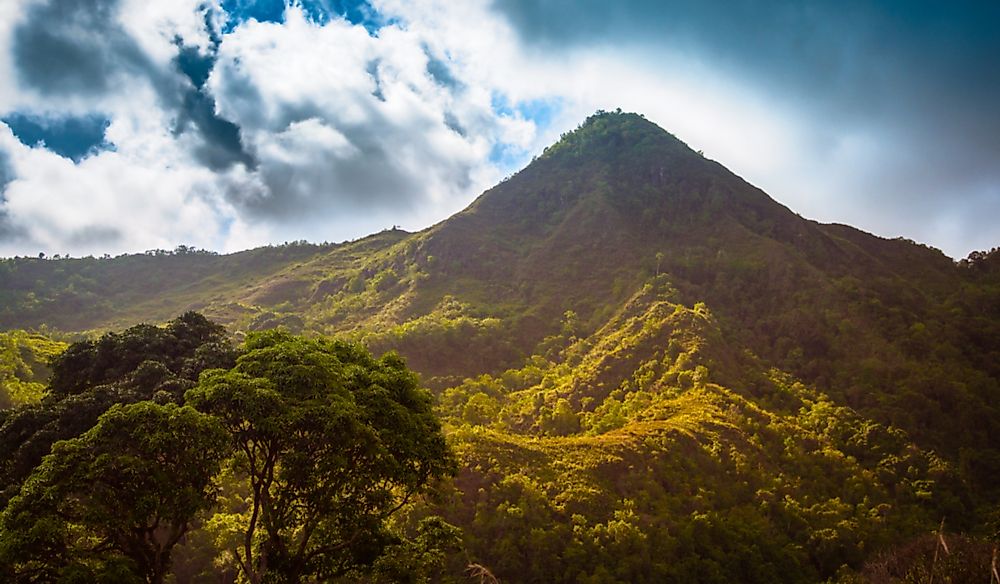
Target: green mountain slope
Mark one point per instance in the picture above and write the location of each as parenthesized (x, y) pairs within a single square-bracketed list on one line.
[(657, 450), (24, 366), (80, 294), (652, 371)]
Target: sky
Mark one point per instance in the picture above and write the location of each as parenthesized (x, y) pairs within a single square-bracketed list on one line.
[(129, 125)]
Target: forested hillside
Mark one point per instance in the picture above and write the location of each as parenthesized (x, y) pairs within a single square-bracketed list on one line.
[(647, 368), (24, 366)]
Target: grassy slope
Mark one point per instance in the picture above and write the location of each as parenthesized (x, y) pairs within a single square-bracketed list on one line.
[(24, 368)]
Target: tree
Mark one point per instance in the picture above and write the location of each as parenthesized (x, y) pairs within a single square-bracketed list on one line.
[(183, 348), (111, 504), (420, 560), (141, 363), (331, 441)]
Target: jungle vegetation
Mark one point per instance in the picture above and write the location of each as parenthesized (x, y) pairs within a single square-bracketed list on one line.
[(290, 454)]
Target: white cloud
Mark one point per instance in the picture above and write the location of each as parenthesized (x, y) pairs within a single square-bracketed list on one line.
[(350, 133), (344, 124), (156, 26), (145, 195)]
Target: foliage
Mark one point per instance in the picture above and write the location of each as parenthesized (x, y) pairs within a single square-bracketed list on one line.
[(323, 441), (86, 293), (940, 557), (169, 355), (447, 339), (142, 363), (24, 359), (422, 559), (655, 450), (332, 442), (116, 500)]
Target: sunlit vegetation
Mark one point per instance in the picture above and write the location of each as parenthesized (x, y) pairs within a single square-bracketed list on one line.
[(281, 460), (78, 294), (24, 359), (625, 458)]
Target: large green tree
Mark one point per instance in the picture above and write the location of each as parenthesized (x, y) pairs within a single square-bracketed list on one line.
[(111, 504), (180, 351), (331, 441), (141, 363)]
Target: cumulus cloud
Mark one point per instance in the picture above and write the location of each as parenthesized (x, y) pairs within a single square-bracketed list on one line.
[(148, 194), (8, 230), (353, 122), (303, 127), (78, 57)]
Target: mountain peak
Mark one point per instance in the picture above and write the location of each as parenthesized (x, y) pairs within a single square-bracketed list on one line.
[(616, 117), (614, 133), (614, 162)]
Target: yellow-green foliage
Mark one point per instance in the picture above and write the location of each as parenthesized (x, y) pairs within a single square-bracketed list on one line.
[(627, 458), (446, 338), (699, 481), (24, 360), (651, 348), (707, 484)]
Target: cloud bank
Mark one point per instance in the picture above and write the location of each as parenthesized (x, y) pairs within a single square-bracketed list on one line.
[(219, 130), (130, 125), (892, 103)]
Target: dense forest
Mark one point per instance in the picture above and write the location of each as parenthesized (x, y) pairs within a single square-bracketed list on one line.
[(622, 364), (289, 454)]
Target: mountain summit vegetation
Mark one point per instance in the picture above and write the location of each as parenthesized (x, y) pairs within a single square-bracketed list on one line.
[(647, 370)]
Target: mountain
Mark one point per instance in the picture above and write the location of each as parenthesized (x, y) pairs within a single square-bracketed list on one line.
[(651, 370)]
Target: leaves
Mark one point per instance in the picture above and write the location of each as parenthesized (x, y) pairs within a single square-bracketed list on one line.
[(140, 363), (123, 493), (331, 442)]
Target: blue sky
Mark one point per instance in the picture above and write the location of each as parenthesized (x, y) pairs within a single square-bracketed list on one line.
[(318, 11), (73, 137), (133, 124)]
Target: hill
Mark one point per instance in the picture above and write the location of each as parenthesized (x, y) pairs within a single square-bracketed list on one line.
[(24, 366), (652, 370)]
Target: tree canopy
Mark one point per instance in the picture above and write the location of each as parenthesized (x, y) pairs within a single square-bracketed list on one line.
[(116, 500), (332, 442), (142, 435), (141, 363)]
